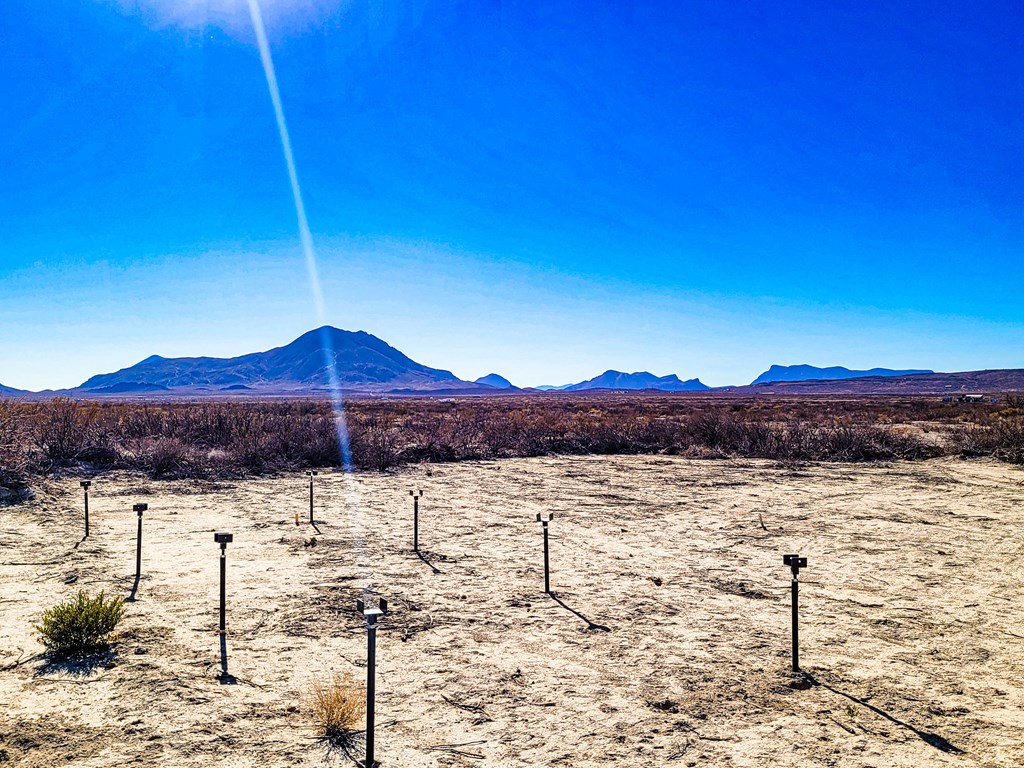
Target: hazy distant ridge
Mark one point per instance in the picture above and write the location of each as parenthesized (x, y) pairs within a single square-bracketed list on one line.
[(638, 380), (833, 373), (366, 364)]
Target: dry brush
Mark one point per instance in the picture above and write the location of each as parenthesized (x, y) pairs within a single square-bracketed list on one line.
[(255, 437)]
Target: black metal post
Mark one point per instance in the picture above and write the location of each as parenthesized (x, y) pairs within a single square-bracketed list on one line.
[(371, 614), (547, 563), (371, 685), (795, 562), (223, 539), (416, 519), (795, 620), (223, 579), (138, 508), (85, 487)]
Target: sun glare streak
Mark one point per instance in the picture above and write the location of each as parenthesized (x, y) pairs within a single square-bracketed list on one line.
[(313, 272), (289, 159)]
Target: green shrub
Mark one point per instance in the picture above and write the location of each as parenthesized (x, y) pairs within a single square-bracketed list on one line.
[(81, 625)]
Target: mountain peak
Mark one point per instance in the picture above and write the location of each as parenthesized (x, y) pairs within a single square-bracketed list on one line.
[(361, 362), (494, 380), (329, 334)]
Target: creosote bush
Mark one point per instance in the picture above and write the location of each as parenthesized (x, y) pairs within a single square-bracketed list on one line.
[(14, 459), (81, 625), (1001, 436), (337, 707)]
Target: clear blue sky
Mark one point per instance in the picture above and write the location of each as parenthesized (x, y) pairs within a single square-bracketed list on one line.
[(544, 189)]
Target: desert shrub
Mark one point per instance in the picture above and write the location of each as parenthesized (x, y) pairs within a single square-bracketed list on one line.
[(848, 443), (81, 625), (166, 458), (1008, 439), (14, 460), (1014, 400), (899, 443), (100, 454), (14, 476), (337, 706), (970, 440), (241, 438), (374, 443), (713, 429), (317, 434), (1002, 438), (62, 429)]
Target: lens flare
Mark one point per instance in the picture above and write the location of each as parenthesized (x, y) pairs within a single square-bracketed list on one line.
[(231, 17), (313, 272)]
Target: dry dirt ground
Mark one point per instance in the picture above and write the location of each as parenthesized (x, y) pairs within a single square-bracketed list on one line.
[(666, 641)]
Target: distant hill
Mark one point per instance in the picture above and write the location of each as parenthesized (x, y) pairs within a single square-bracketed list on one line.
[(551, 387), (639, 380), (494, 380), (363, 363), (836, 372), (11, 391), (991, 382)]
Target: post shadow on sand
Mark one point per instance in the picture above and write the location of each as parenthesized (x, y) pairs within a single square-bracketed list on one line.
[(932, 739), (224, 677), (351, 744), (420, 554), (591, 626), (135, 588)]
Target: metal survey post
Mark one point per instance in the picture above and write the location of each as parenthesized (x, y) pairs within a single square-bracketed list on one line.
[(139, 509), (223, 539), (547, 565), (312, 474), (416, 496), (372, 614), (85, 488), (795, 563)]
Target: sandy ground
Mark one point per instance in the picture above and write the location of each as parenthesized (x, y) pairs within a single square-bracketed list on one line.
[(666, 643)]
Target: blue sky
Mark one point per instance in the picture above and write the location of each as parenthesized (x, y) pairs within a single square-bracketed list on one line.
[(545, 190)]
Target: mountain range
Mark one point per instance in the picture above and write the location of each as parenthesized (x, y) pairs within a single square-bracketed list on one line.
[(638, 380), (359, 362), (978, 382), (836, 372)]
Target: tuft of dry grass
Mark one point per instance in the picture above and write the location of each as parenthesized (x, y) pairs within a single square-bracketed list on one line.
[(337, 707)]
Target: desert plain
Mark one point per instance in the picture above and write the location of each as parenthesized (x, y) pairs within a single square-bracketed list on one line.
[(665, 642)]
